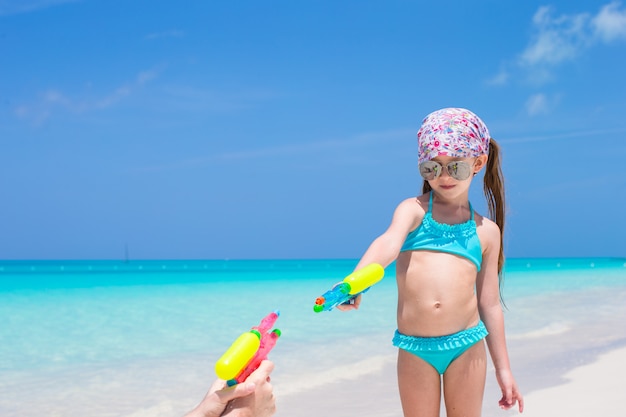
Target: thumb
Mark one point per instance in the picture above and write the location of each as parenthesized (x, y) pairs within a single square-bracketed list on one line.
[(237, 391)]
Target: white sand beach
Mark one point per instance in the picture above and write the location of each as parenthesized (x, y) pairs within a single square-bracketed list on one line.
[(594, 389), (591, 390)]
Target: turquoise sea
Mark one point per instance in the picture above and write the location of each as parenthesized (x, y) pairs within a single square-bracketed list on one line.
[(114, 338)]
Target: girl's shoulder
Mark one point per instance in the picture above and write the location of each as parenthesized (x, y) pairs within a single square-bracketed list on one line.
[(488, 231), (410, 212), (485, 222), (416, 205)]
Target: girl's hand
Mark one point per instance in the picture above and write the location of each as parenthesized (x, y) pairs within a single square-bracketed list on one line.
[(352, 304), (510, 391)]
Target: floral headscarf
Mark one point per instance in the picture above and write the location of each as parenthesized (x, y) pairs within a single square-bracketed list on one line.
[(452, 132)]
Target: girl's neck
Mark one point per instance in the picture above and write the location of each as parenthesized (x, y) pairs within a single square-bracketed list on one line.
[(459, 202)]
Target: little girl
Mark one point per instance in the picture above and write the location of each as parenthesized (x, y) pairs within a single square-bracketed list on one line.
[(448, 265)]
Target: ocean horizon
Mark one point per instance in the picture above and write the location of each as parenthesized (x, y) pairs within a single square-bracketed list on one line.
[(148, 332)]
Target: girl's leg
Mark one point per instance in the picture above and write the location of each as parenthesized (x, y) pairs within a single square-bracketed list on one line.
[(464, 383), (420, 386)]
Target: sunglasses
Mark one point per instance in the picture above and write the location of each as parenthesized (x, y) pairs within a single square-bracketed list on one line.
[(459, 170)]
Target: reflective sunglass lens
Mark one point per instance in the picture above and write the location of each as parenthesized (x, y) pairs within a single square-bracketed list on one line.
[(430, 170), (459, 170)]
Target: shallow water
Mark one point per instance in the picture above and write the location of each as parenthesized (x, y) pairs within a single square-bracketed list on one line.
[(140, 338)]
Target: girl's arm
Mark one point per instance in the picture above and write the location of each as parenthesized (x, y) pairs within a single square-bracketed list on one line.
[(386, 247), (490, 309)]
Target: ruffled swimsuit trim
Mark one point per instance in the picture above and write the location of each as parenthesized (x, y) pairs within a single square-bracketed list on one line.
[(450, 231), (463, 338), (441, 351)]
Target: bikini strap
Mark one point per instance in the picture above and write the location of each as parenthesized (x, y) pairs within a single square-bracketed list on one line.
[(471, 211)]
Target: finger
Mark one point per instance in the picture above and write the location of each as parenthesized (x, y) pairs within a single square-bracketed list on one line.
[(348, 305), (240, 390), (351, 304), (345, 307), (505, 403)]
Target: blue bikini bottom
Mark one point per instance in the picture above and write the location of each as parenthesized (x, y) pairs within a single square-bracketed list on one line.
[(441, 351)]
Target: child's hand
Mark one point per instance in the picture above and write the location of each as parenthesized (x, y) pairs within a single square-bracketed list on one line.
[(259, 404), (351, 304), (510, 391)]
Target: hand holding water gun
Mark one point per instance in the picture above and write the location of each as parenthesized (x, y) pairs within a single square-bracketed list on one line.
[(248, 351), (354, 284)]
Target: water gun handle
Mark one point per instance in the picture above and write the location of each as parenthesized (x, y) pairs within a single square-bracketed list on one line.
[(354, 284)]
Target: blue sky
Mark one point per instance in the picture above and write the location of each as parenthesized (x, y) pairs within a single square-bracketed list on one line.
[(286, 129)]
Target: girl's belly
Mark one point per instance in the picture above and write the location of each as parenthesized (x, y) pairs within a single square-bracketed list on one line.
[(436, 293)]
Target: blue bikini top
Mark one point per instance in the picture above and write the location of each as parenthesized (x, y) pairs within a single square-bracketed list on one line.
[(460, 239)]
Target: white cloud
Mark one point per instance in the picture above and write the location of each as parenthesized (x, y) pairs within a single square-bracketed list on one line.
[(289, 150), (146, 76), (610, 23), (112, 98), (565, 136), (500, 78), (537, 104), (559, 39), (541, 103), (556, 39), (53, 100), (316, 146), (174, 33), (197, 99), (55, 97), (10, 7)]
